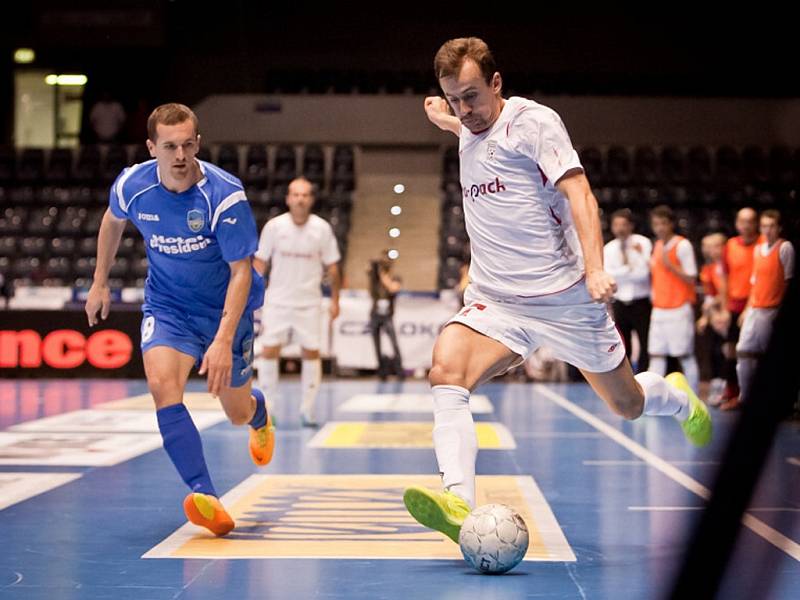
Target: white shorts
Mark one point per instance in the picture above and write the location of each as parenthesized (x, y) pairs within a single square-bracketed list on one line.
[(756, 330), (671, 331), (575, 329), (281, 325)]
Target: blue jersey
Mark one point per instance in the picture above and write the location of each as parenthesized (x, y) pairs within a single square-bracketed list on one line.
[(190, 237)]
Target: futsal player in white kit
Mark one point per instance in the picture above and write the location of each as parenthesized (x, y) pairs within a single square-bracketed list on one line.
[(536, 276), (296, 247)]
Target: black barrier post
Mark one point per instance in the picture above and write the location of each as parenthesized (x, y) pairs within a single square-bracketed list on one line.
[(774, 391)]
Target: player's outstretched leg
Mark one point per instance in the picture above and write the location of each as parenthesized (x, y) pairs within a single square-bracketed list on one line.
[(651, 394), (262, 432), (456, 446), (697, 425), (673, 396)]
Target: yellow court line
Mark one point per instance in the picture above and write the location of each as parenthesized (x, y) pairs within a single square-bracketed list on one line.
[(337, 528)]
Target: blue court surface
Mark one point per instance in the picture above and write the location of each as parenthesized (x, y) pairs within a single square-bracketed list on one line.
[(90, 506)]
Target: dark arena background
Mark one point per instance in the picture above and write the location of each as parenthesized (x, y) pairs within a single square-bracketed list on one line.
[(698, 113)]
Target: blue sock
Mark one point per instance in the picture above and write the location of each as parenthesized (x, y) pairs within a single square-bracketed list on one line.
[(260, 417), (182, 443)]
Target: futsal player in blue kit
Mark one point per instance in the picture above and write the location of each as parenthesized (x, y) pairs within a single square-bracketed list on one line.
[(200, 295)]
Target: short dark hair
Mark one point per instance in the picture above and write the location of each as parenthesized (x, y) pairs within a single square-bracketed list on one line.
[(663, 212), (623, 213), (771, 213), (170, 114), (451, 56)]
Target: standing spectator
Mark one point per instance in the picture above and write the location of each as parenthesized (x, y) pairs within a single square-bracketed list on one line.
[(107, 118), (714, 319), (627, 259), (383, 287), (737, 267), (674, 271), (773, 266)]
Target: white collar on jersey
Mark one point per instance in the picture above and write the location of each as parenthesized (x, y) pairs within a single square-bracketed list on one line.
[(200, 183)]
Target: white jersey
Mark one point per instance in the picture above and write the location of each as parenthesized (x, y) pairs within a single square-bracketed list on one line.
[(297, 254), (629, 264), (520, 227)]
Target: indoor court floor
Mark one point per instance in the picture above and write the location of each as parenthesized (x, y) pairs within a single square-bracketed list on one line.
[(91, 507)]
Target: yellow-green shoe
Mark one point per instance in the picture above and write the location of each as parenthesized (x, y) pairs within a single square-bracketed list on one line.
[(697, 428), (442, 511)]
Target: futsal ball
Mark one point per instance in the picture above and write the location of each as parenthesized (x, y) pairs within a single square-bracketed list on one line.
[(493, 538)]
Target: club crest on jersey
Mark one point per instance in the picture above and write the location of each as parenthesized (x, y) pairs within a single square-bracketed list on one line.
[(491, 150), (195, 219)]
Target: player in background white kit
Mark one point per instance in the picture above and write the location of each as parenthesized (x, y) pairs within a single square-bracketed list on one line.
[(296, 246), (536, 276)]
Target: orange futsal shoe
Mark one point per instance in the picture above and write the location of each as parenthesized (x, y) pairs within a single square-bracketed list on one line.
[(207, 511), (262, 443)]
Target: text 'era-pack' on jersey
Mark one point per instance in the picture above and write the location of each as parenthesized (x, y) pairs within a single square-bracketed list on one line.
[(520, 227)]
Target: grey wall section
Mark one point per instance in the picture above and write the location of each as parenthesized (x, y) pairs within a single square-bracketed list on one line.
[(590, 120)]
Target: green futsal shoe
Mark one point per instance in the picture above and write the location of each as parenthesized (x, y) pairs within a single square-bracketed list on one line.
[(697, 428), (442, 511)]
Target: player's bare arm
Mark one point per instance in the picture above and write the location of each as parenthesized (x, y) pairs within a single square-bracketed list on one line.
[(99, 297), (676, 269), (261, 266), (218, 359), (583, 205), (438, 113), (335, 279)]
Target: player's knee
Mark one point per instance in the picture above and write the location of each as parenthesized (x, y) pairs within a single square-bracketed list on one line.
[(165, 390), (443, 373), (238, 416), (628, 406)]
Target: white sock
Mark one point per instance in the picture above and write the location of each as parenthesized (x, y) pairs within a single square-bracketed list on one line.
[(691, 371), (310, 379), (268, 370), (660, 398), (745, 371), (455, 440), (658, 364)]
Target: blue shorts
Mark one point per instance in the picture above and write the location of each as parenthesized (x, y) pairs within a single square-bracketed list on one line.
[(193, 335)]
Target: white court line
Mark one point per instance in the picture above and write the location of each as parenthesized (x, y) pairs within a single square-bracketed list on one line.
[(679, 508), (553, 538), (664, 508), (774, 537), (623, 463), (613, 463)]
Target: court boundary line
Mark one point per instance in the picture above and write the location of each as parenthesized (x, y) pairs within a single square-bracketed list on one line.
[(757, 526)]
